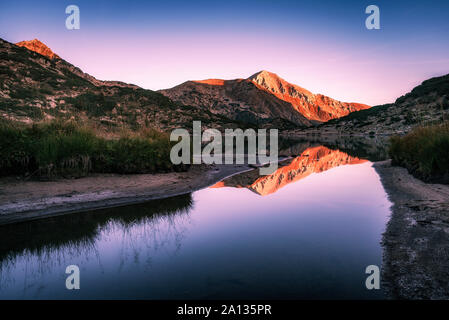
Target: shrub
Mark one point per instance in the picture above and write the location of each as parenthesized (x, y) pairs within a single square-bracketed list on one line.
[(93, 104), (424, 152), (24, 93), (15, 155)]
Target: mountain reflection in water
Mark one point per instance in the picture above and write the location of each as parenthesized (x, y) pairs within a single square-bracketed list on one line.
[(312, 160), (311, 238)]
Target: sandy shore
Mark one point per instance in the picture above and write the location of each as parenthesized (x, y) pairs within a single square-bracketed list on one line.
[(28, 200), (416, 240)]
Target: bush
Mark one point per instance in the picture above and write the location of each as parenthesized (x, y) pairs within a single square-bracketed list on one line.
[(24, 93), (14, 150), (424, 152)]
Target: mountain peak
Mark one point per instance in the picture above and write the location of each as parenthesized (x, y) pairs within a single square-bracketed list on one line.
[(312, 106), (276, 85), (39, 47), (264, 74)]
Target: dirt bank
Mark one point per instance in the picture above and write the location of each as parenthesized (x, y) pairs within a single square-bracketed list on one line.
[(28, 200), (416, 241)]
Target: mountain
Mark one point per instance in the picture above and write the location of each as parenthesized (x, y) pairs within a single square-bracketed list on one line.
[(36, 84), (427, 103), (239, 99), (259, 98), (312, 160)]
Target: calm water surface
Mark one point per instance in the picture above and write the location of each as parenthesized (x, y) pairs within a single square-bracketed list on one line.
[(311, 238)]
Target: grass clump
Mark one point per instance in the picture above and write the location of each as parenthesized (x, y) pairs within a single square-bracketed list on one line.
[(424, 152), (66, 149), (143, 151)]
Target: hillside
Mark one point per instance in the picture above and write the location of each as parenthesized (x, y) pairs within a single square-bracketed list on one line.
[(40, 85), (426, 104)]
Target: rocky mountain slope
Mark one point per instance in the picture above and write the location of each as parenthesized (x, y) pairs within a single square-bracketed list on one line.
[(427, 103), (260, 98), (313, 106), (40, 85)]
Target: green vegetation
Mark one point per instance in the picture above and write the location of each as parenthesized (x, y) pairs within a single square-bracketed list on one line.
[(94, 104), (24, 93), (66, 149), (437, 85), (424, 152)]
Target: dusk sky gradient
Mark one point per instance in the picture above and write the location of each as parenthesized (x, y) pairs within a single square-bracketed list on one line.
[(322, 46)]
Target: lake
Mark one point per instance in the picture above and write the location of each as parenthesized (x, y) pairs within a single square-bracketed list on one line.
[(308, 231)]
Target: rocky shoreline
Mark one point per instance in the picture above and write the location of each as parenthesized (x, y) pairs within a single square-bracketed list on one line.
[(416, 240)]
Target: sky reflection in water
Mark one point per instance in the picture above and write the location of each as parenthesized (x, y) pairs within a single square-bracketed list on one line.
[(310, 239)]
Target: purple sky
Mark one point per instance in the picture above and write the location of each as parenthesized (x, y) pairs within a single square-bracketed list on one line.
[(321, 46)]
